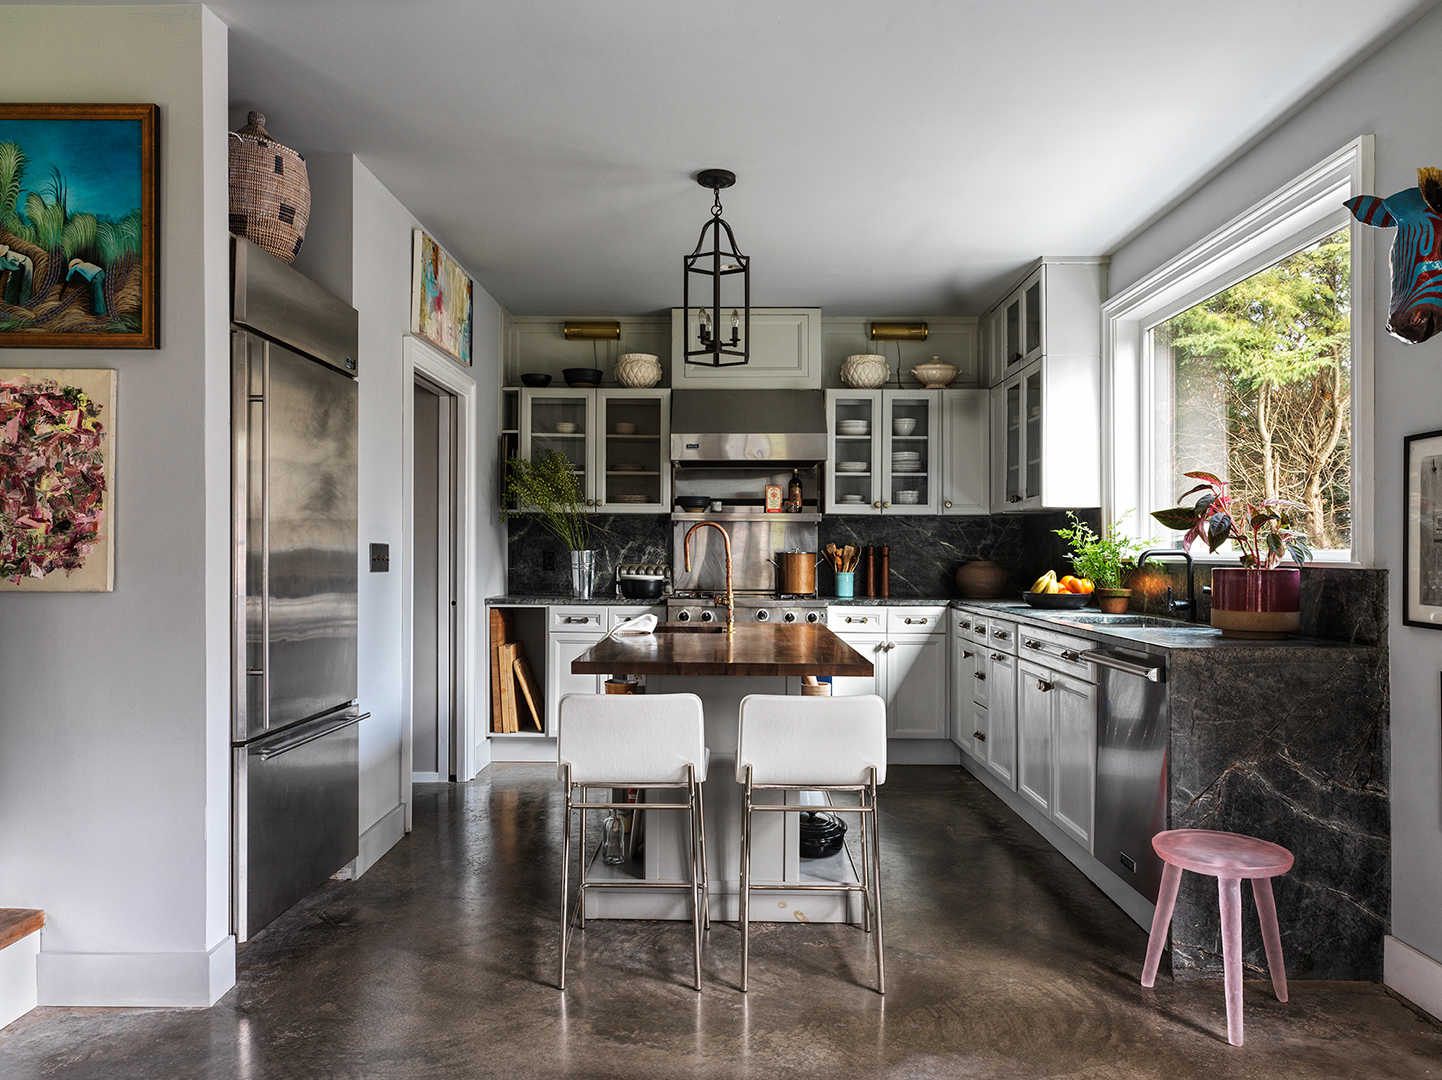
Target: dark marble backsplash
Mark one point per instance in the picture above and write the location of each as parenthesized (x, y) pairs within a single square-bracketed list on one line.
[(925, 551)]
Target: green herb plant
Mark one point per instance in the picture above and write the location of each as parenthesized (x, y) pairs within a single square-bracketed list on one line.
[(549, 489), (1103, 559)]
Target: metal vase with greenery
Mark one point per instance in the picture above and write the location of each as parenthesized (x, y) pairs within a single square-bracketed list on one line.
[(548, 488), (1103, 559)]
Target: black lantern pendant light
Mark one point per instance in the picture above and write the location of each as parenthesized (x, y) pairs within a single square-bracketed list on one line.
[(718, 347)]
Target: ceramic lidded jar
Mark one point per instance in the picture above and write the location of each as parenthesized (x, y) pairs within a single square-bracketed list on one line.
[(981, 579), (637, 370), (936, 375), (865, 371)]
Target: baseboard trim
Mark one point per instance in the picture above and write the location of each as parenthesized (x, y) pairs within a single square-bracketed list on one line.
[(539, 749), (137, 980), (380, 838), (1414, 975), (922, 752)]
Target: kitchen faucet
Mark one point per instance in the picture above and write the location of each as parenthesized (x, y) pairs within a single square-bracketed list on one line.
[(1190, 603), (730, 592)]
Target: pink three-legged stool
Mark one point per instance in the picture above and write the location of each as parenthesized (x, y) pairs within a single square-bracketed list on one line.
[(1228, 857)]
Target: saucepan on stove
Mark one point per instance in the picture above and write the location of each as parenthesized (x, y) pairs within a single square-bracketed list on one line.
[(796, 573)]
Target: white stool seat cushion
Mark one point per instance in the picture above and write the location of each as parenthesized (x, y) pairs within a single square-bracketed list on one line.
[(636, 738), (799, 741)]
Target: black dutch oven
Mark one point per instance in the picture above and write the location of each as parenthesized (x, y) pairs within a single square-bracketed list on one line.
[(822, 834), (642, 586)]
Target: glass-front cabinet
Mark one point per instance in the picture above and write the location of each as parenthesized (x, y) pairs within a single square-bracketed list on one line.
[(615, 440), (1022, 324), (1045, 436), (885, 451)]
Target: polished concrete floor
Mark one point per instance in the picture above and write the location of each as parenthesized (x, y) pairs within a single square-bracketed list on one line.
[(1002, 961)]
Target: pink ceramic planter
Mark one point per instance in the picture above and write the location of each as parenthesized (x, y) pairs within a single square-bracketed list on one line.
[(1256, 603)]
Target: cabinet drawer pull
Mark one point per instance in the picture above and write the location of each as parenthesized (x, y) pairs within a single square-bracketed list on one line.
[(978, 736), (919, 622), (859, 618), (1044, 686), (578, 618), (999, 657), (967, 655), (1001, 635), (1067, 654), (1032, 644), (963, 626)]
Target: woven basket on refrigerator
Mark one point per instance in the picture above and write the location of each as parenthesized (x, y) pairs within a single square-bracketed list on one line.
[(269, 190)]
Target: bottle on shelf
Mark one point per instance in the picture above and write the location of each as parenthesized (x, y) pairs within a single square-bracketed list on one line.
[(793, 493)]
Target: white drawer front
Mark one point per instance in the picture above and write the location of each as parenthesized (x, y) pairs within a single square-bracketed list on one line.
[(578, 618)]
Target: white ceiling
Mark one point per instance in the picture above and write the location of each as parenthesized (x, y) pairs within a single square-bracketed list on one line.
[(894, 157)]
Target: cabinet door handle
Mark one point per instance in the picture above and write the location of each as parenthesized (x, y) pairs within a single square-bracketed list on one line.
[(1044, 686), (1013, 498), (947, 504), (978, 736), (967, 655), (877, 505), (885, 505), (979, 675), (889, 646)]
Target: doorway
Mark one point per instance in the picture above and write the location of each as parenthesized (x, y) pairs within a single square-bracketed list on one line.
[(433, 585)]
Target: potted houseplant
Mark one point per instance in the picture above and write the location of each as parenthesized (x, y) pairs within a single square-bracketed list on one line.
[(1259, 599), (1102, 560), (549, 489)]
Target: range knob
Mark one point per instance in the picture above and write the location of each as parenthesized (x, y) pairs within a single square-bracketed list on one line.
[(790, 616), (707, 616), (683, 616), (813, 616), (762, 615)]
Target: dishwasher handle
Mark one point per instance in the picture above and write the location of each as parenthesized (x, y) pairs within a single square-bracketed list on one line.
[(1150, 672)]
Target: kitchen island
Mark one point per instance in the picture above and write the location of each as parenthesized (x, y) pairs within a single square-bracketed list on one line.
[(721, 669)]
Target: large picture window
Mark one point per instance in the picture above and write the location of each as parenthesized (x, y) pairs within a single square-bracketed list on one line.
[(1248, 355), (1254, 385)]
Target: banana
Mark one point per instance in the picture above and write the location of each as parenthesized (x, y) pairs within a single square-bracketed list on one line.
[(1046, 583)]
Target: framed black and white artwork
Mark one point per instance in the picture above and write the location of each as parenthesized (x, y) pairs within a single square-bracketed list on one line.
[(1422, 538)]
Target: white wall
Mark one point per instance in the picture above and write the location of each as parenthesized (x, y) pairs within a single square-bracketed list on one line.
[(358, 245), (114, 707), (1392, 95)]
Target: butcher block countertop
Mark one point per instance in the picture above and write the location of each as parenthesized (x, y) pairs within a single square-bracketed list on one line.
[(754, 649)]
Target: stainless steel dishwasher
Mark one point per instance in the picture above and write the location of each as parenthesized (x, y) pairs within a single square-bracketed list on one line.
[(1133, 728)]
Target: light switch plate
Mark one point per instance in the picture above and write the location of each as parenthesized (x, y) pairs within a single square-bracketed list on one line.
[(380, 558)]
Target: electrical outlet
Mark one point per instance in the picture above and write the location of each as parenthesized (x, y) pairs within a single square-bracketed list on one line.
[(548, 560)]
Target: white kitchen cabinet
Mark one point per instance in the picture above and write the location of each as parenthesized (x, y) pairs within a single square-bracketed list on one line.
[(618, 443), (786, 352), (1056, 752), (571, 631), (965, 452), (1046, 436), (864, 473), (1001, 702), (907, 646), (967, 690)]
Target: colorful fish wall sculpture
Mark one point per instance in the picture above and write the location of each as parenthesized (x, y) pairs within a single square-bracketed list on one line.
[(1416, 214)]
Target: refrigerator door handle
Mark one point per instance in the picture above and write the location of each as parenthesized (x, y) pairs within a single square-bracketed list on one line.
[(282, 746)]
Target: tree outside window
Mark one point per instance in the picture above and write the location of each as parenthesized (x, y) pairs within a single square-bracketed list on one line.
[(1254, 384)]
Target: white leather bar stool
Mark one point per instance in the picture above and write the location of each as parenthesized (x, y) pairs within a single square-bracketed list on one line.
[(829, 744), (631, 741)]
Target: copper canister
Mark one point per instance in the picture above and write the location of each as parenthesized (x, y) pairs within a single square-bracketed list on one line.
[(796, 573)]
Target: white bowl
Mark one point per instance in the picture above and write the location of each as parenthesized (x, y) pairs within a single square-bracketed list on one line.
[(850, 499), (565, 427), (852, 466), (625, 429), (903, 425)]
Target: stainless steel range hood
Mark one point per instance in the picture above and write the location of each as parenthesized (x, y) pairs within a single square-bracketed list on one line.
[(748, 427)]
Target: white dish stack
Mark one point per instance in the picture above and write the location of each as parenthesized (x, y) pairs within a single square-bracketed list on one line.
[(905, 461)]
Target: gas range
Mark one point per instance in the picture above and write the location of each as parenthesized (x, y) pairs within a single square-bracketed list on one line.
[(701, 608)]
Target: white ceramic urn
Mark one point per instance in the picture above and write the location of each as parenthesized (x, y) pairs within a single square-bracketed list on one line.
[(637, 370), (865, 371)]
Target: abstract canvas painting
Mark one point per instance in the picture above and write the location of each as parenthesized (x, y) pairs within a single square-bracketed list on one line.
[(57, 464), (77, 226), (440, 299)]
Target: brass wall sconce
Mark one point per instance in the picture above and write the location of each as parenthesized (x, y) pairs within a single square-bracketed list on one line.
[(899, 331), (593, 331)]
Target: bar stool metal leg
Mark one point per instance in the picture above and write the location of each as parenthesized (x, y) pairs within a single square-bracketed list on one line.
[(876, 884), (565, 880), (746, 881)]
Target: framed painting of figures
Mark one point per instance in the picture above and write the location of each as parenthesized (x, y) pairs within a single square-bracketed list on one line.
[(78, 217)]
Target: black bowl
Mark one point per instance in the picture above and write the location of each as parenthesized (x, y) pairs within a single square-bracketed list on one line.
[(642, 588), (822, 834), (535, 379), (1057, 600), (692, 502), (582, 376)]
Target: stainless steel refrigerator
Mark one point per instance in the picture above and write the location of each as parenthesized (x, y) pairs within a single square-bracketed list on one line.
[(294, 546)]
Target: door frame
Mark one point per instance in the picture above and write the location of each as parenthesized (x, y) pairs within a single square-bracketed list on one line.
[(419, 357), (445, 628)]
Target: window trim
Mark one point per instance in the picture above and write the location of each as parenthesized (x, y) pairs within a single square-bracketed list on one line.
[(1279, 225)]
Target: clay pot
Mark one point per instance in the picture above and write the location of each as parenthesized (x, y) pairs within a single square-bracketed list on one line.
[(981, 579), (1258, 604), (637, 370), (1113, 601)]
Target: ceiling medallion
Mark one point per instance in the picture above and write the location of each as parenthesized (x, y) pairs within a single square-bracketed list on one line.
[(721, 267)]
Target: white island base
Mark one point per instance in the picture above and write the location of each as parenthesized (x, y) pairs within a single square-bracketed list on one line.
[(775, 843)]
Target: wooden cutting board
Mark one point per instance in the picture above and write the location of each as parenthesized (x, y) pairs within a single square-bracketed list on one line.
[(500, 634), (506, 656), (530, 692)]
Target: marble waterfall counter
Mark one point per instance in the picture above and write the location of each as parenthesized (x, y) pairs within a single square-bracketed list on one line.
[(1286, 740), (721, 669)]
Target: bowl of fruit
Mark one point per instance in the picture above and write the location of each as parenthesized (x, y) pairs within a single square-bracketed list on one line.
[(1049, 591)]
